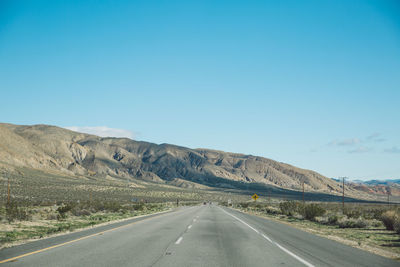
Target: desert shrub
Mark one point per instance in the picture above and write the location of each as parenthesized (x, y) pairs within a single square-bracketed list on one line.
[(298, 216), (13, 212), (333, 219), (62, 211), (389, 218), (138, 206), (361, 223), (353, 213), (288, 208), (372, 213), (10, 236), (52, 230), (396, 225), (244, 205), (224, 203), (259, 207), (96, 206), (112, 206), (313, 210), (80, 212), (352, 223), (375, 223), (63, 227), (271, 210), (51, 216)]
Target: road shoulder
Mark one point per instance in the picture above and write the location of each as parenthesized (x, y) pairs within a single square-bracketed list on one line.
[(319, 231), (32, 246)]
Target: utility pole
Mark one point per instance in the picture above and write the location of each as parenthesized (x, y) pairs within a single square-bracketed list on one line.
[(343, 197), (8, 189), (388, 200), (303, 192)]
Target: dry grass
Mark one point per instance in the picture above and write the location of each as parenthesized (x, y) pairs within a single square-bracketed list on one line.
[(46, 220), (39, 188)]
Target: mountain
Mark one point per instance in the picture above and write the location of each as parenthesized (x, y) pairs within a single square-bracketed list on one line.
[(381, 182), (377, 187), (374, 187), (55, 149)]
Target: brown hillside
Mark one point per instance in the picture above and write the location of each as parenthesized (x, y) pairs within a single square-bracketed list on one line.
[(56, 149)]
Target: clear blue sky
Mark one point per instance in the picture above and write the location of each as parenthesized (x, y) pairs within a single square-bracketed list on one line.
[(312, 83)]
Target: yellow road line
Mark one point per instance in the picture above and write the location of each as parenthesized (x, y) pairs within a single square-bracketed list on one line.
[(78, 239)]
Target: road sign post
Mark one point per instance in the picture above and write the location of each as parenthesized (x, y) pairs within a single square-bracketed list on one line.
[(255, 197)]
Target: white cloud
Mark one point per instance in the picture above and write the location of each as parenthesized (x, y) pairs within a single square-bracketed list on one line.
[(360, 149), (353, 142), (102, 131), (345, 142), (394, 149), (375, 137)]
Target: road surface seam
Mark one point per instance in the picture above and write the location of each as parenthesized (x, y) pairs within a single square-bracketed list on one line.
[(270, 240), (167, 250)]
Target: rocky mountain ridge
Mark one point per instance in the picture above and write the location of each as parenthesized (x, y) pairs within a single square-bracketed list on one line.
[(52, 148)]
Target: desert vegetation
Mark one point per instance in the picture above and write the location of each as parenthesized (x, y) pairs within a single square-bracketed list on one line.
[(355, 215), (40, 188), (391, 220), (20, 221), (43, 204)]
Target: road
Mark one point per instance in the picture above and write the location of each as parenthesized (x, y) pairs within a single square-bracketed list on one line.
[(206, 235)]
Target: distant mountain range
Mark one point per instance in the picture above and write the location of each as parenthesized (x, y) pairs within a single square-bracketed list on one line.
[(378, 182), (54, 149), (380, 187)]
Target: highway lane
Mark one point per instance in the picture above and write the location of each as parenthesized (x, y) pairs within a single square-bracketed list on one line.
[(317, 250), (202, 236)]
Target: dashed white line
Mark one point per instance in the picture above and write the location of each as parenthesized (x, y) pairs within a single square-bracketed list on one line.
[(267, 238), (179, 240), (252, 228)]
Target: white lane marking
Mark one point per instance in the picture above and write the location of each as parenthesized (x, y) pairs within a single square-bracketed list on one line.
[(179, 240), (266, 237), (252, 228), (295, 256), (190, 226)]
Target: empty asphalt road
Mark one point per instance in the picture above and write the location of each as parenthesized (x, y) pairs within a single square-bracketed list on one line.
[(206, 235)]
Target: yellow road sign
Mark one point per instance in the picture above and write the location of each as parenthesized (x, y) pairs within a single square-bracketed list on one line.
[(254, 197)]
